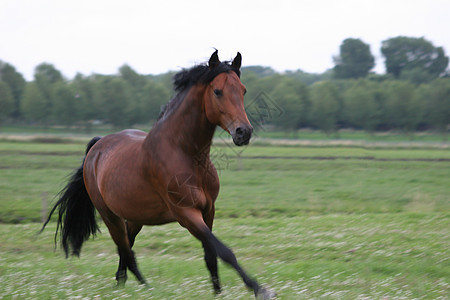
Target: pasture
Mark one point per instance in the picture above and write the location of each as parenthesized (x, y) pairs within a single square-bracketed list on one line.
[(332, 222)]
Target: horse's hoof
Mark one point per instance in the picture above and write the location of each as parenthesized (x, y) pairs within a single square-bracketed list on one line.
[(119, 285), (265, 294)]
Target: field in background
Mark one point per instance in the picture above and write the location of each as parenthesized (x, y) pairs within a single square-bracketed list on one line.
[(304, 134), (324, 220)]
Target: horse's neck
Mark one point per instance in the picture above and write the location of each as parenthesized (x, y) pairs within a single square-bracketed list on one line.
[(186, 128)]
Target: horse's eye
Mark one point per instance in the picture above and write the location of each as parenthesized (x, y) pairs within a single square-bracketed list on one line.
[(245, 91), (218, 93)]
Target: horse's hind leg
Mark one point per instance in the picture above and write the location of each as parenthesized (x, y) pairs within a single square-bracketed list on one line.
[(132, 230), (118, 230), (211, 255)]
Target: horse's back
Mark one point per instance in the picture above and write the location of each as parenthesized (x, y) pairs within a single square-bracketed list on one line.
[(115, 147)]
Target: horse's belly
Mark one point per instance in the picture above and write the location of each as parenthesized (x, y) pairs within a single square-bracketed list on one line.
[(138, 203)]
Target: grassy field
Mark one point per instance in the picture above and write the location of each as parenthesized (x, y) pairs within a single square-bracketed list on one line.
[(329, 222)]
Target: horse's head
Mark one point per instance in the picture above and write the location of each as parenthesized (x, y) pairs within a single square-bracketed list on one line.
[(224, 101)]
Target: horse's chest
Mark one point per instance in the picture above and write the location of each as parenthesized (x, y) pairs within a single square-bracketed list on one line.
[(183, 190)]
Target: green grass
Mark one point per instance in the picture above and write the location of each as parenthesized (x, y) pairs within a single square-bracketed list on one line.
[(357, 135), (344, 182), (395, 256), (332, 152), (325, 222), (30, 172)]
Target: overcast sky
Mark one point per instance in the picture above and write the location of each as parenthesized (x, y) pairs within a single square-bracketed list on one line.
[(99, 36)]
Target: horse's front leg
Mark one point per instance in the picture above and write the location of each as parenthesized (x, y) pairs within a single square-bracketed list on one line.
[(192, 219)]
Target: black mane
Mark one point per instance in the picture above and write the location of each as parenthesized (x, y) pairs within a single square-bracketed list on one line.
[(200, 74), (187, 78)]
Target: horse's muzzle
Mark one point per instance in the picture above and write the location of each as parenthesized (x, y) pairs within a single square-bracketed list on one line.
[(242, 135)]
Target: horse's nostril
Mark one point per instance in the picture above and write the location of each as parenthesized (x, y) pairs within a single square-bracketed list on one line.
[(239, 131)]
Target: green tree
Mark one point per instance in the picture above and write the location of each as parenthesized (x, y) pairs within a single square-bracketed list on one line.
[(416, 76), (45, 77), (35, 106), (439, 105), (84, 89), (310, 78), (6, 101), (65, 106), (355, 59), (407, 54), (259, 71), (135, 90), (47, 72), (255, 85), (260, 96), (155, 95), (292, 97), (326, 106), (422, 98), (403, 112), (112, 95), (16, 84), (165, 79), (135, 80), (362, 106)]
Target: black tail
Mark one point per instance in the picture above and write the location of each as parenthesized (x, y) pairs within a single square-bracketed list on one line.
[(76, 213)]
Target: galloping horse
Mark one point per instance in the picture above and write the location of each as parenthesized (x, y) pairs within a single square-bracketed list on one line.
[(133, 178)]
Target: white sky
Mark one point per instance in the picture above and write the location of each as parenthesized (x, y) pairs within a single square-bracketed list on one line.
[(99, 36)]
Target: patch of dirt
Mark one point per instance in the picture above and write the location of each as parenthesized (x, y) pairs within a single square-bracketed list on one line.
[(54, 153), (348, 158)]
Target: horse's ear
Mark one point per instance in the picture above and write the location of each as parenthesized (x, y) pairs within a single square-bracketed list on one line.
[(214, 60), (237, 61)]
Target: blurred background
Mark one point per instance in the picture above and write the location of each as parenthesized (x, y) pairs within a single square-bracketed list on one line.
[(372, 66)]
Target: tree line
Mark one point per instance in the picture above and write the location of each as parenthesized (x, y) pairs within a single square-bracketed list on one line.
[(413, 94)]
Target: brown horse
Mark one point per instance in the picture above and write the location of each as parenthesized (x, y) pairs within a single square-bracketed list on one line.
[(133, 178)]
